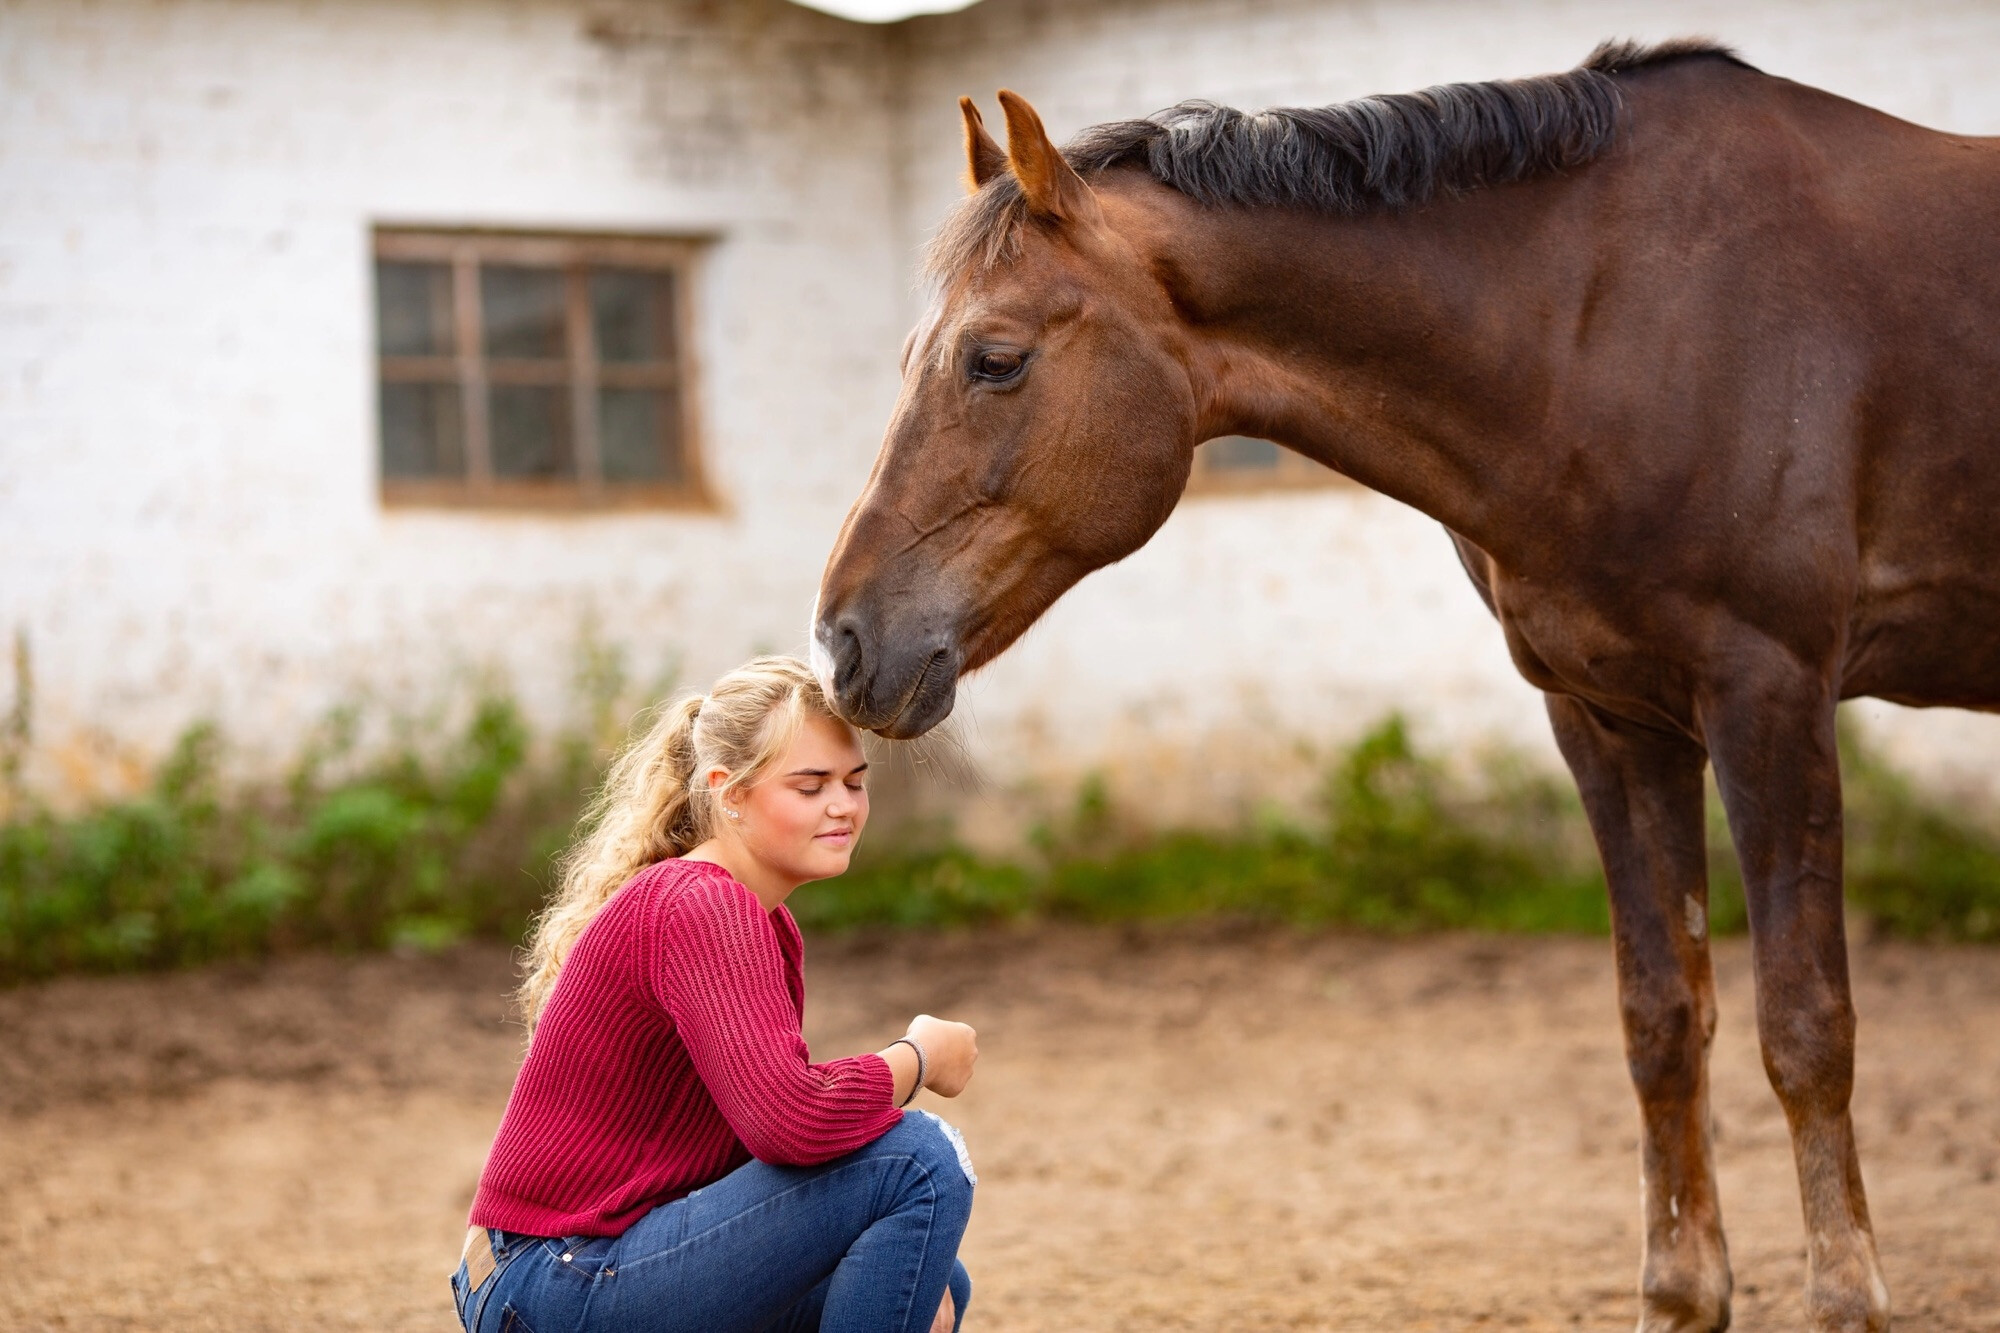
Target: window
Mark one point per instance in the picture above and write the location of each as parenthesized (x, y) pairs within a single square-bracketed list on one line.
[(542, 371), (1234, 464)]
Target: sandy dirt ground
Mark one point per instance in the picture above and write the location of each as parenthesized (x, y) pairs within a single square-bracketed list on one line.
[(1179, 1129)]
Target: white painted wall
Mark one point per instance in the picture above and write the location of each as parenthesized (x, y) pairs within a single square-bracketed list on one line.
[(188, 515), (189, 522)]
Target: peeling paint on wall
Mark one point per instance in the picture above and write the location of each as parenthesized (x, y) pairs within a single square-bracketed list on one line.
[(189, 523)]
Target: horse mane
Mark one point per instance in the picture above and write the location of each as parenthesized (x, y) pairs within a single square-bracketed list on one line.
[(1392, 151)]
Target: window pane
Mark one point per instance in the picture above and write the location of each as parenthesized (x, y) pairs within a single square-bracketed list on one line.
[(633, 314), (423, 434), (530, 433), (639, 435), (1240, 453), (413, 309), (523, 311)]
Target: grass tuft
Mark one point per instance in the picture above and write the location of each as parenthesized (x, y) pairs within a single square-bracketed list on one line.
[(411, 850), (425, 844), (1396, 847)]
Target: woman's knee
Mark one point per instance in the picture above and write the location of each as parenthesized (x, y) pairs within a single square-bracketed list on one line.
[(940, 1149)]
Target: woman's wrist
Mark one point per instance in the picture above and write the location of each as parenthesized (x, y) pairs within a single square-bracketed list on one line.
[(923, 1066), (901, 1058)]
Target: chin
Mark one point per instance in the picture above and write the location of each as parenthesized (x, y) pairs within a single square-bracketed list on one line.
[(825, 866)]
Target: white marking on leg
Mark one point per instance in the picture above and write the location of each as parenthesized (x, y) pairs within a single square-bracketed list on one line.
[(1697, 918)]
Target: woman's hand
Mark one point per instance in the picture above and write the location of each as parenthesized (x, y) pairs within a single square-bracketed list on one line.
[(947, 1314), (951, 1049)]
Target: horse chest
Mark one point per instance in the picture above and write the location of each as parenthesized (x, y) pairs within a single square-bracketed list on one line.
[(1566, 642)]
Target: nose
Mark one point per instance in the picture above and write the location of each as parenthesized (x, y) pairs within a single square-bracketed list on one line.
[(892, 674), (840, 663)]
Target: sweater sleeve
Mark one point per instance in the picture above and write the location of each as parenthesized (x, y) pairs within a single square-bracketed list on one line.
[(720, 975)]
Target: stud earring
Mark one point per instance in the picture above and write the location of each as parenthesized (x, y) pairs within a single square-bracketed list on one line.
[(733, 814)]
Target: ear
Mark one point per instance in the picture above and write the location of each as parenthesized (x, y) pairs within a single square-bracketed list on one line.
[(983, 158), (1048, 182)]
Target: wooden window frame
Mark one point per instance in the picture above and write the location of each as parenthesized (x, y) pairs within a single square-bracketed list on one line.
[(1294, 472), (574, 254)]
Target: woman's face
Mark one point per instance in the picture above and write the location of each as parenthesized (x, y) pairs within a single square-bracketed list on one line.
[(802, 819)]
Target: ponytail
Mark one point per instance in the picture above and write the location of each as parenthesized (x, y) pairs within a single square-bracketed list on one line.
[(654, 802)]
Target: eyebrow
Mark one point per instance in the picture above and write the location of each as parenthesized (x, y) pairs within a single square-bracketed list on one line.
[(823, 772)]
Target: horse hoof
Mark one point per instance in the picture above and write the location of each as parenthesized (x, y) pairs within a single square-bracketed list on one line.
[(1683, 1317), (1849, 1311), (1848, 1295), (1685, 1292)]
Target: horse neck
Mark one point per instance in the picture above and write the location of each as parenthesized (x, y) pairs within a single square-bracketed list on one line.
[(1415, 352)]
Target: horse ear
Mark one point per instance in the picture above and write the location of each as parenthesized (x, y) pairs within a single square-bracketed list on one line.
[(983, 158), (1048, 182)]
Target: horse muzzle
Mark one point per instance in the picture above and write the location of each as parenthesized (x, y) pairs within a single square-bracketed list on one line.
[(895, 686)]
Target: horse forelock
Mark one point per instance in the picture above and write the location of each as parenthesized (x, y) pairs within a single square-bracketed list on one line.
[(1391, 151), (925, 344), (983, 231)]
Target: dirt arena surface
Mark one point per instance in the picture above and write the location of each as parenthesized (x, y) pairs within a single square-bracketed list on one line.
[(1175, 1129)]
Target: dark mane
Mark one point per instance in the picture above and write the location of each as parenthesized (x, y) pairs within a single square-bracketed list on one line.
[(1391, 151)]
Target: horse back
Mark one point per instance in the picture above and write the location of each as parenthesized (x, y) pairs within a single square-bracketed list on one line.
[(1846, 265)]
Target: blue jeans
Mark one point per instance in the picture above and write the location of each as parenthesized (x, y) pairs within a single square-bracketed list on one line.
[(866, 1243)]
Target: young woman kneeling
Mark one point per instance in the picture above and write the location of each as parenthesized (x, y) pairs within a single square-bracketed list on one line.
[(670, 1158)]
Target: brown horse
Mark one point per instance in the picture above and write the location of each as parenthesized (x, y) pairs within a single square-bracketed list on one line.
[(1699, 367)]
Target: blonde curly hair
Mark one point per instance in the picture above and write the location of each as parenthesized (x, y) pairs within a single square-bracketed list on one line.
[(653, 804)]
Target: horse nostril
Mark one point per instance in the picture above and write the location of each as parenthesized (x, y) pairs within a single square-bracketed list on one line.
[(846, 658)]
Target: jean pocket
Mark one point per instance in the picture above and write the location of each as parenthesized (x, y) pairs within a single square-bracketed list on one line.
[(476, 1308), (582, 1258)]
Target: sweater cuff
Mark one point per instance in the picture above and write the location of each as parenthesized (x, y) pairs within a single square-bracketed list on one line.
[(879, 1070)]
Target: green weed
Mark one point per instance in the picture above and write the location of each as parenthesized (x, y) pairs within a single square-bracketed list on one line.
[(1398, 846), (1917, 867), (431, 842), (411, 850)]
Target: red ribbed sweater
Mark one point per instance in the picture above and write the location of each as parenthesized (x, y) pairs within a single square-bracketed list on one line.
[(669, 1055)]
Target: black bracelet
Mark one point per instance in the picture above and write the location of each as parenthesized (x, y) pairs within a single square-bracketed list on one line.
[(923, 1067)]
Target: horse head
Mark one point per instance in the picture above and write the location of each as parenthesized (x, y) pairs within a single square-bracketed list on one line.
[(1045, 429)]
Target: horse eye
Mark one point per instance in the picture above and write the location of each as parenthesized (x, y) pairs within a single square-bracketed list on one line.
[(998, 365)]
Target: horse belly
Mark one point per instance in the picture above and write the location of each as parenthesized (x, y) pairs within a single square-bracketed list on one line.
[(1936, 643), (1926, 622)]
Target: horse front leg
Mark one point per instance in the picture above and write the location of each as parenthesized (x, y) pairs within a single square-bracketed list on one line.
[(1773, 744), (1642, 790)]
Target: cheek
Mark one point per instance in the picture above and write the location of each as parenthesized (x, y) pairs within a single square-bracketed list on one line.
[(788, 819)]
